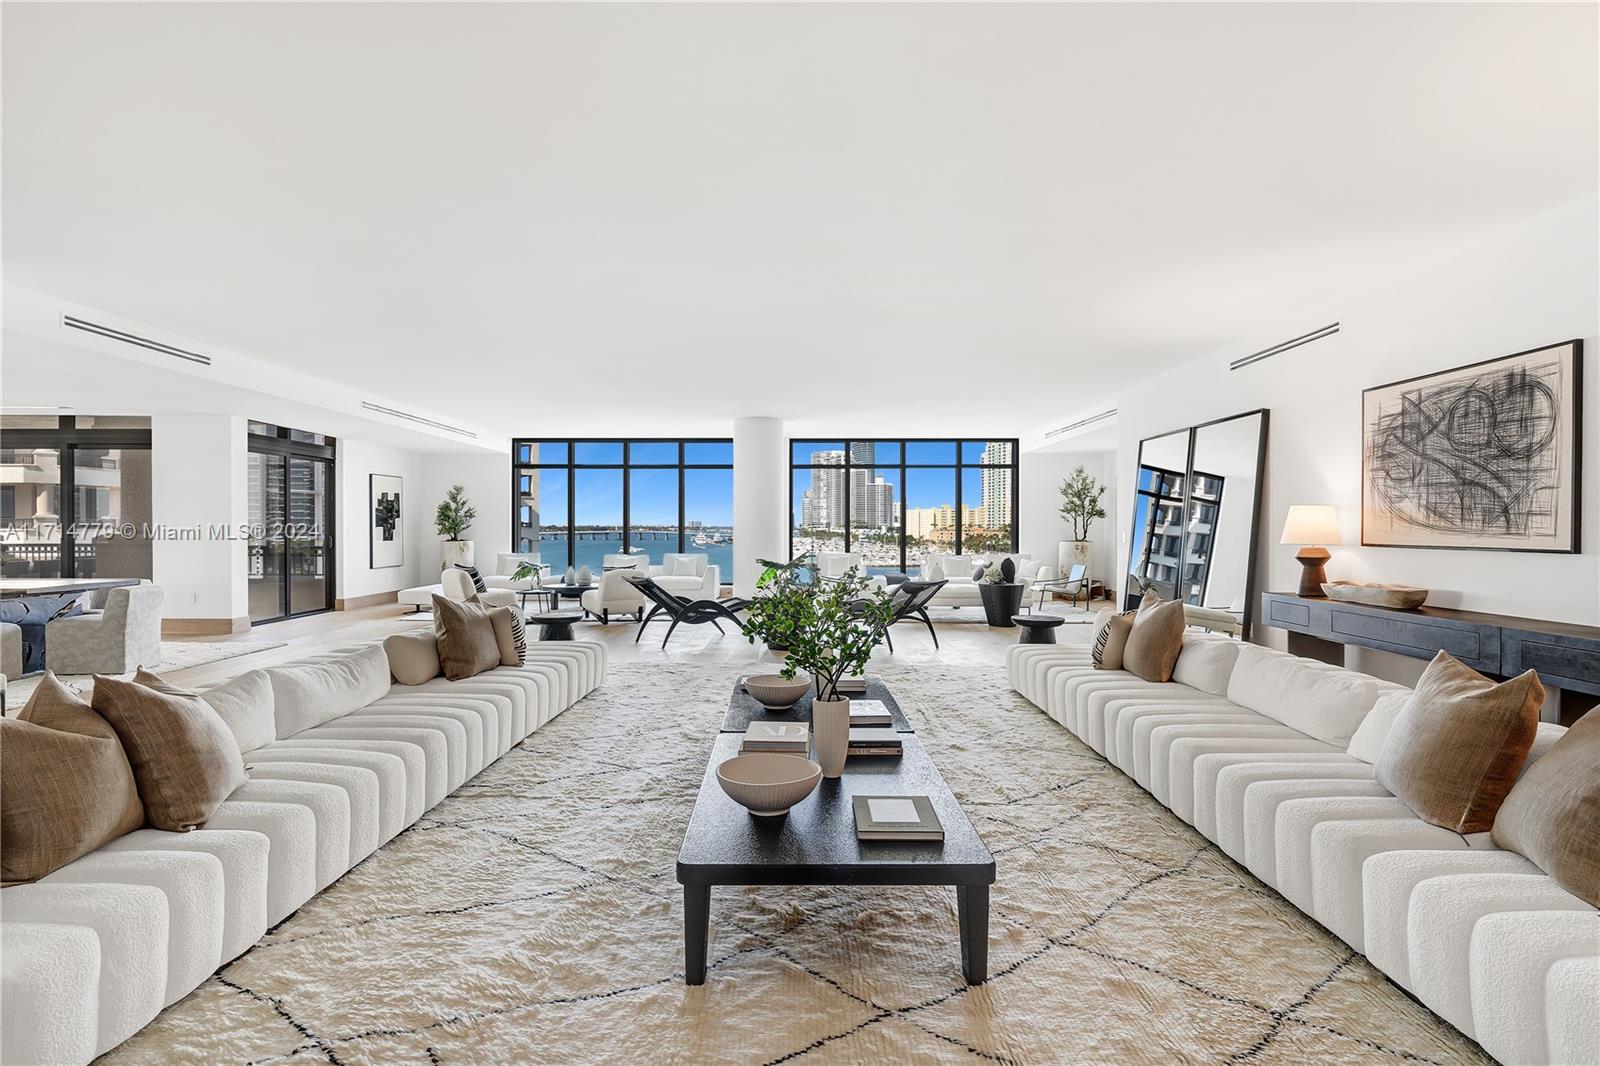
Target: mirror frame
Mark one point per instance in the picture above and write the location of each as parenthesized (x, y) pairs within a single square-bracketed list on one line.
[(1130, 597)]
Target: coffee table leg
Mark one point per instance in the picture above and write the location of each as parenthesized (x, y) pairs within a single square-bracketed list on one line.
[(696, 929), (972, 911)]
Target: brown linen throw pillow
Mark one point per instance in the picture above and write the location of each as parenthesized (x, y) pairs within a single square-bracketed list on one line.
[(1552, 816), (467, 644), (1155, 640), (1455, 748), (67, 786), (182, 752)]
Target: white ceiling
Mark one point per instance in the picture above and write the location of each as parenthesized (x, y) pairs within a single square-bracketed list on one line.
[(651, 219)]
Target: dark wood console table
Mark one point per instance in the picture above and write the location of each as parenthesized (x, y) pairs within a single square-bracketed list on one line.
[(1566, 656)]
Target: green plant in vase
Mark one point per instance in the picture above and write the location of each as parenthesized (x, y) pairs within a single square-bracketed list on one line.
[(781, 605)]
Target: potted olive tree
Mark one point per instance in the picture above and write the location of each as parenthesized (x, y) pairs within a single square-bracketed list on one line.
[(452, 520), (1080, 506)]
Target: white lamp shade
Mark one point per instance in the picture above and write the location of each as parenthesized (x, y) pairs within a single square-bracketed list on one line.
[(1311, 524)]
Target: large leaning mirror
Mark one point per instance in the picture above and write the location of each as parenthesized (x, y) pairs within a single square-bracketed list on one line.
[(1196, 512)]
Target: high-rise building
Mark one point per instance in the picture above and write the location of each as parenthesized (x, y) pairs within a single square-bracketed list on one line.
[(996, 504), (822, 506), (872, 502)]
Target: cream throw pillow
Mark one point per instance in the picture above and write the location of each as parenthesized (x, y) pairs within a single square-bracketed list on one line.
[(413, 657)]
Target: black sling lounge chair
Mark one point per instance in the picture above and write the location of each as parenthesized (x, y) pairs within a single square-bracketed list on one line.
[(911, 602), (683, 609)]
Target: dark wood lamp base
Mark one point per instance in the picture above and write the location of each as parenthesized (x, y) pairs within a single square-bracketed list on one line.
[(1312, 575)]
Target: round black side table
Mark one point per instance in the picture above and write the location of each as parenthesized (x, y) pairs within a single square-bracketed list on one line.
[(555, 625), (1038, 628), (1001, 600)]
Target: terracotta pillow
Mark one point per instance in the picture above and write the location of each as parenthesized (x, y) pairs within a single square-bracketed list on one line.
[(1552, 816), (183, 755), (1156, 639), (467, 644), (1455, 748), (67, 786)]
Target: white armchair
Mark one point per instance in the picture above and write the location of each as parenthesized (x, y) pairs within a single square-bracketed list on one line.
[(614, 595), (832, 565), (457, 585), (690, 574), (124, 636)]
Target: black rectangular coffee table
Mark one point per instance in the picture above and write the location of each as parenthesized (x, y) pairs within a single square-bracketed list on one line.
[(815, 844), (744, 708)]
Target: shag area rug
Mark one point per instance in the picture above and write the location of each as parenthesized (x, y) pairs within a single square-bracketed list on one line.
[(533, 917)]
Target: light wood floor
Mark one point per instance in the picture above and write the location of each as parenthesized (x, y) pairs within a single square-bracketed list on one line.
[(959, 642)]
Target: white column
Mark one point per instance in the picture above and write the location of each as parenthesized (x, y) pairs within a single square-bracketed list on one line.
[(760, 499), (198, 506)]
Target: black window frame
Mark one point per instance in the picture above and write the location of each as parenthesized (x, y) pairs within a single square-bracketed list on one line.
[(959, 466), (626, 466), (65, 439)]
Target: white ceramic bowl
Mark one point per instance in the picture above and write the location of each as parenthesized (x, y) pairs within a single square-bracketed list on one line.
[(774, 693), (768, 783)]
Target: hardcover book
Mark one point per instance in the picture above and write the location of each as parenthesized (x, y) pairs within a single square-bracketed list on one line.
[(896, 818), (789, 737), (869, 712)]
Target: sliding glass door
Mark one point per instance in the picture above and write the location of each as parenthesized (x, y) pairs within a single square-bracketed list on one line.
[(290, 489)]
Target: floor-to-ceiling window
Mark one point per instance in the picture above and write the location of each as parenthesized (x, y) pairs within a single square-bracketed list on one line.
[(290, 505), (897, 501), (576, 501), (75, 496)]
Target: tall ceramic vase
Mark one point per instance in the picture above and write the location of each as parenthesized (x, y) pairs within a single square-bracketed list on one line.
[(830, 733), (455, 553)]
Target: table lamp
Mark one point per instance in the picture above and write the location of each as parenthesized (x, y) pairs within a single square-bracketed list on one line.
[(1312, 525)]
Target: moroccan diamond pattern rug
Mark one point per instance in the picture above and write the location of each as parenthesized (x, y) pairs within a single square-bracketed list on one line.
[(533, 917)]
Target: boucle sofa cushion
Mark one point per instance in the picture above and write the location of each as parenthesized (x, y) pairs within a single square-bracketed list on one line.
[(1456, 747), (413, 657), (67, 786), (1366, 743), (1321, 701), (1552, 815), (467, 643), (1155, 639), (308, 694), (245, 706), (1206, 663), (183, 755)]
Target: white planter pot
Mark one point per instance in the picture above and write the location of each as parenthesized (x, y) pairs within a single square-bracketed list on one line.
[(830, 734), (1074, 552), (456, 553)]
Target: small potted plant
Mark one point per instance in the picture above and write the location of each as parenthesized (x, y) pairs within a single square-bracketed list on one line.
[(782, 603), (452, 520), (846, 619)]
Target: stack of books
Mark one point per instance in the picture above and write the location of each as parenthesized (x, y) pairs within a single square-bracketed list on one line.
[(784, 738), (869, 713), (874, 740), (851, 686), (896, 818)]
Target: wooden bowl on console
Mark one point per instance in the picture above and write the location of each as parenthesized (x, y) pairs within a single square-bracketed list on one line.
[(1403, 597)]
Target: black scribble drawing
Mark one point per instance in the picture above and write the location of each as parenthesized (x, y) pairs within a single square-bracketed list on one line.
[(1479, 455), (386, 514)]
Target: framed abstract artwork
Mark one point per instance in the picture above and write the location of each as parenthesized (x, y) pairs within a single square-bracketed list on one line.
[(386, 526), (1486, 456)]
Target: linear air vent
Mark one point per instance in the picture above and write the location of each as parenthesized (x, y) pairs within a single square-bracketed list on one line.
[(97, 329), (1080, 423), (1279, 349), (409, 417)]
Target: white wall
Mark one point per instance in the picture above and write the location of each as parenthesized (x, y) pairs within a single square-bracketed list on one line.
[(487, 478), (1523, 287), (197, 484), (358, 461), (1040, 527)]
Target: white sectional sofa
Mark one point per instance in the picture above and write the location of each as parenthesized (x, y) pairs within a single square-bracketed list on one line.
[(92, 952), (961, 590), (1271, 757)]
